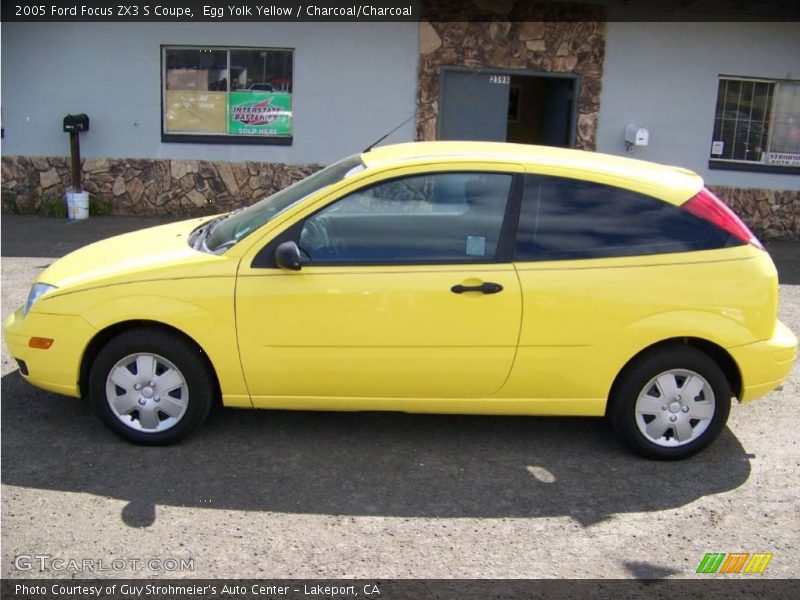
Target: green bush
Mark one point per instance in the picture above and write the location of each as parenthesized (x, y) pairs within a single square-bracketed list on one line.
[(10, 203), (99, 206), (53, 206)]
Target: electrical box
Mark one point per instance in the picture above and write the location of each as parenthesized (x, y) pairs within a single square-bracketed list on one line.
[(636, 136), (79, 122)]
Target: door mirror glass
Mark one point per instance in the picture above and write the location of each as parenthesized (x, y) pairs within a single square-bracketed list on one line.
[(287, 256)]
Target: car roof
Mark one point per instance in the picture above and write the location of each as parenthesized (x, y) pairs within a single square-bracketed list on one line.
[(673, 184)]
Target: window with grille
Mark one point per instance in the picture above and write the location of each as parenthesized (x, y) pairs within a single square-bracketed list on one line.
[(757, 121)]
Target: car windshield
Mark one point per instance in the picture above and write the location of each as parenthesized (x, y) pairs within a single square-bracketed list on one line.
[(239, 224)]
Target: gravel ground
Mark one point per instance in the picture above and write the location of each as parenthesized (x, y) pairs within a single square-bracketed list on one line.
[(291, 494)]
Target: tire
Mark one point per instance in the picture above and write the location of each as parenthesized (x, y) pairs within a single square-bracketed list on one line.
[(121, 393), (671, 403)]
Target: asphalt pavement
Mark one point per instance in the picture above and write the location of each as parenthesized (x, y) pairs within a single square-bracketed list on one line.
[(283, 494)]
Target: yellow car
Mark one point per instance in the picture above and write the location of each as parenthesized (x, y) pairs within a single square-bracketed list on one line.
[(442, 277)]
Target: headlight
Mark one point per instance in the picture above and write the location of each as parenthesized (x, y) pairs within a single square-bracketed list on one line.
[(37, 291)]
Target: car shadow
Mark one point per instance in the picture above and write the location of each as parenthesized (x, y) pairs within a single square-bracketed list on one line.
[(359, 464)]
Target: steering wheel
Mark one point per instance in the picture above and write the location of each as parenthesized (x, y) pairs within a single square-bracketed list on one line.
[(314, 238)]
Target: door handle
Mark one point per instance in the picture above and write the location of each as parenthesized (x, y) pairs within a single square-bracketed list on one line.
[(484, 288)]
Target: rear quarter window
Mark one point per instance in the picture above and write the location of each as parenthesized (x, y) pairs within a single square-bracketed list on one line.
[(562, 219)]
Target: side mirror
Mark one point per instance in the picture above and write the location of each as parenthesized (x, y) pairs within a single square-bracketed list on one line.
[(287, 256)]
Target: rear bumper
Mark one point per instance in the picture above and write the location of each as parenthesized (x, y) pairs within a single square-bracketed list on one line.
[(764, 365), (56, 369)]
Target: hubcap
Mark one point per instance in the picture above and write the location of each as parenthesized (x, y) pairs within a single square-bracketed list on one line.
[(675, 407), (146, 392)]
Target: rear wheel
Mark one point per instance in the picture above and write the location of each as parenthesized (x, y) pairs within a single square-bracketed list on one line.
[(671, 403), (151, 387)]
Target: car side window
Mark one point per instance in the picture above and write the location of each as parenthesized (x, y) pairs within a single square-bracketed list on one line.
[(431, 218), (562, 219)]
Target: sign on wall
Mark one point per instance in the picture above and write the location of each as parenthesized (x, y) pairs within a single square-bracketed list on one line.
[(260, 113)]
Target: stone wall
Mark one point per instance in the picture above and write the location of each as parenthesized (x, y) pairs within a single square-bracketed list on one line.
[(771, 214), (147, 186), (547, 45), (192, 187)]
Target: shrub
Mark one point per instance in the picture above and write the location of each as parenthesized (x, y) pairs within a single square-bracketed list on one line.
[(10, 202), (53, 206), (99, 206)]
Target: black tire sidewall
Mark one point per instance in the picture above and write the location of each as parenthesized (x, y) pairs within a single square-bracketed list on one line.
[(176, 350), (626, 393)]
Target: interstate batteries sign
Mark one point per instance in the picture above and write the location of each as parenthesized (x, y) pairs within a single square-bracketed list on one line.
[(260, 113)]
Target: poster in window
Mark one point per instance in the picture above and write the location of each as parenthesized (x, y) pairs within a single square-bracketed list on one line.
[(260, 113), (195, 111)]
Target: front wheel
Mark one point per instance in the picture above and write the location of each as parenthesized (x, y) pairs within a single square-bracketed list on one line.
[(671, 403), (150, 387)]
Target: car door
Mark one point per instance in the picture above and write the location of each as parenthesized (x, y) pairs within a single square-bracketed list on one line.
[(407, 292)]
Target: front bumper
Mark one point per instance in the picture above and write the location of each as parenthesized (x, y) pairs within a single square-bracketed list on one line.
[(764, 365), (56, 369)]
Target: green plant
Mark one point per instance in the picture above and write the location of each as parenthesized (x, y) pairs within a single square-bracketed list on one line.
[(99, 206), (10, 202), (53, 206)]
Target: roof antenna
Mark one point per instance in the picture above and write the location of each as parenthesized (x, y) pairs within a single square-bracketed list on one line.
[(380, 139), (414, 114)]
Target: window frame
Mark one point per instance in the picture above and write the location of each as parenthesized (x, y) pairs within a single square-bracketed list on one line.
[(749, 165), (265, 258), (213, 138)]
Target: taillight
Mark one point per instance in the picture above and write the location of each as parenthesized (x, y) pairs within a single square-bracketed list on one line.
[(707, 206)]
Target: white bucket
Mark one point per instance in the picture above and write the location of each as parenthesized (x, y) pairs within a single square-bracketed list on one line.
[(70, 205), (80, 205)]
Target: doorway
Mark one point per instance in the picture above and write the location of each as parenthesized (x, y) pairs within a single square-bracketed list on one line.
[(525, 107)]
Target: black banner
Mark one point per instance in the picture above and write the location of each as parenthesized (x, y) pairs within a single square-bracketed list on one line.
[(397, 589), (398, 10), (217, 11)]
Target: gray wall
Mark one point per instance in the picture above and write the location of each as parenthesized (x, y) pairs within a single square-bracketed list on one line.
[(352, 83), (663, 76)]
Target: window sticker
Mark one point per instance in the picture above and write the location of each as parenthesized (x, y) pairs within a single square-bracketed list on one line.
[(476, 245)]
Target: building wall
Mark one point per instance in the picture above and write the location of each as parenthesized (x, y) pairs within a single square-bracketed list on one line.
[(351, 85), (547, 46), (663, 76), (355, 83)]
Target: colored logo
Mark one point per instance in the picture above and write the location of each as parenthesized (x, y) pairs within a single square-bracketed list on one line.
[(734, 562), (259, 113)]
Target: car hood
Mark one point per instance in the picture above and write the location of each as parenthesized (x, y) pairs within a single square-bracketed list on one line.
[(153, 253)]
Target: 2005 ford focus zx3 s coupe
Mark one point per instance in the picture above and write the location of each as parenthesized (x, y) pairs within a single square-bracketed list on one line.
[(448, 277)]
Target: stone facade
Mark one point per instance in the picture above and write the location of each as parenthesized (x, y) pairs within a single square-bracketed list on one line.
[(771, 214), (570, 46), (147, 186), (192, 187)]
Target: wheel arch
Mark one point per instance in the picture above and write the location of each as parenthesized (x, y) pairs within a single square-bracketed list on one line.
[(105, 335), (717, 353)]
